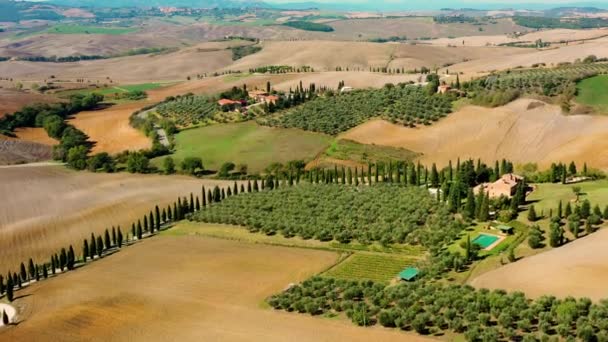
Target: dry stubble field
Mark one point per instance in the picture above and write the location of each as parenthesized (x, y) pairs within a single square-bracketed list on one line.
[(577, 269), (543, 135), (49, 207), (185, 288)]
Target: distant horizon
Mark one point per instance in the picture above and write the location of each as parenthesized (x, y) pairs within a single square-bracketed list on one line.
[(345, 5)]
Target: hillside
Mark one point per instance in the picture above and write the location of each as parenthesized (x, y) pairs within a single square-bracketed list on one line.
[(542, 135)]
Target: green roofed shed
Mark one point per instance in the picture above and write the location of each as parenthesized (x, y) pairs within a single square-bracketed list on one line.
[(505, 229), (409, 274)]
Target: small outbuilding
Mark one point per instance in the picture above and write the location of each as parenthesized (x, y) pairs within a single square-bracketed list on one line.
[(409, 274), (507, 230)]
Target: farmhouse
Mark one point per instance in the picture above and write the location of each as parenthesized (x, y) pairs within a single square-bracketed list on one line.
[(505, 186), (270, 99), (257, 95), (228, 104)]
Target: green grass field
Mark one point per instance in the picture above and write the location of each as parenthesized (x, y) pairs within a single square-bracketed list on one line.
[(362, 153), (370, 266), (246, 143), (113, 90), (547, 196), (85, 29), (592, 92)]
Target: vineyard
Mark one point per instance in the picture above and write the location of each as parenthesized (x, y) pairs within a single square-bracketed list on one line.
[(377, 267), (407, 105), (383, 212), (187, 111), (539, 81)]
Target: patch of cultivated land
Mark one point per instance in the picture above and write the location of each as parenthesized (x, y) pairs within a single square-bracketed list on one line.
[(247, 143), (543, 135), (12, 100), (592, 92), (14, 151), (577, 269), (417, 27), (36, 135), (182, 288), (550, 36), (110, 129), (50, 207)]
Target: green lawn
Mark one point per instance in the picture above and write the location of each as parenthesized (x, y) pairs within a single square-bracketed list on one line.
[(547, 196), (370, 266), (85, 29), (246, 143), (592, 92)]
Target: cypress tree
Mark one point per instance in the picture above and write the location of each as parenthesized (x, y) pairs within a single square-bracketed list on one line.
[(53, 264), (414, 177), (376, 179), (469, 210), (151, 220), (4, 318), (2, 286), (99, 246), (9, 289), (532, 214), (568, 210), (369, 173), (169, 215), (119, 238), (71, 258), (37, 273), (228, 192), (356, 177), (175, 213), (132, 229), (31, 269), (107, 242), (242, 188), (559, 209), (63, 258), (191, 208), (197, 206), (255, 185), (484, 214), (235, 189), (454, 199), (450, 171), (22, 273), (164, 215), (203, 196), (249, 188), (139, 233), (426, 177), (157, 216), (209, 197), (113, 236), (434, 180), (92, 248), (350, 176), (85, 250), (145, 223), (45, 272), (217, 196)]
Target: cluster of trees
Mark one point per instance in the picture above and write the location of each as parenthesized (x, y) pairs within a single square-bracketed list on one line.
[(501, 88), (280, 69), (400, 103), (239, 52), (73, 144), (575, 218), (569, 23), (309, 26), (432, 308), (386, 213)]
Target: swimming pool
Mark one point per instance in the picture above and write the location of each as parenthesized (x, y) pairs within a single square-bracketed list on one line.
[(485, 240)]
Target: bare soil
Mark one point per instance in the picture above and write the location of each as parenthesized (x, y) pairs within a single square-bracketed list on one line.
[(183, 289)]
